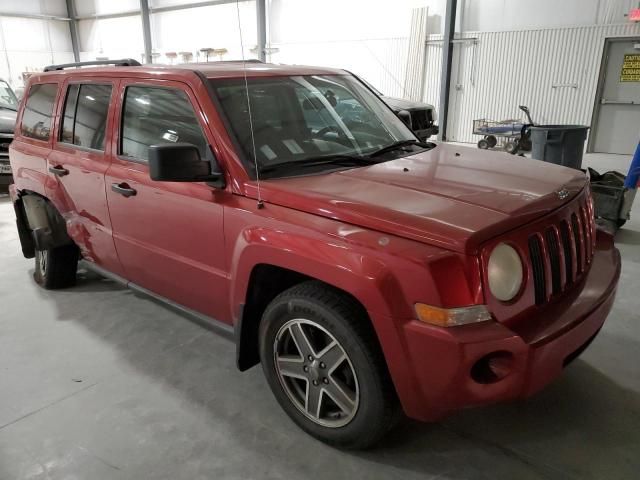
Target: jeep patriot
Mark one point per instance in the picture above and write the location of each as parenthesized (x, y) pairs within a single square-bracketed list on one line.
[(290, 208)]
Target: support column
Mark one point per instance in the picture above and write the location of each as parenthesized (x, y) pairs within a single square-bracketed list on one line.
[(146, 30), (73, 29), (261, 15), (447, 57)]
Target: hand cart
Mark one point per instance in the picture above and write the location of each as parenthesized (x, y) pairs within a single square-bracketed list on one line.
[(516, 134)]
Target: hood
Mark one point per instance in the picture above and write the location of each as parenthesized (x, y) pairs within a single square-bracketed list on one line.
[(453, 197), (401, 104), (7, 120)]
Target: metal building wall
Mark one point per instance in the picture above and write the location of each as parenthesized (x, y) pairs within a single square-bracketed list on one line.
[(553, 71), (416, 54), (381, 61)]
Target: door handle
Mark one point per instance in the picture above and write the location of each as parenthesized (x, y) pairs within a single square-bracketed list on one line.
[(59, 171), (123, 189)]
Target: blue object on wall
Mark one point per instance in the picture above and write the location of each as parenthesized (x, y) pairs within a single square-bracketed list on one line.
[(634, 171)]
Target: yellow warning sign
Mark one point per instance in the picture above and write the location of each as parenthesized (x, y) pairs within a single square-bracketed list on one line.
[(630, 68)]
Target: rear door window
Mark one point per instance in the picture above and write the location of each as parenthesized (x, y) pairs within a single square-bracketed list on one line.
[(36, 118), (156, 115), (85, 115)]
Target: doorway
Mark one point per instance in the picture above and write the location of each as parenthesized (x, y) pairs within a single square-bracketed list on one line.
[(616, 119)]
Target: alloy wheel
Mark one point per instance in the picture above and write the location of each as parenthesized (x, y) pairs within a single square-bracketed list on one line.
[(316, 373), (42, 261)]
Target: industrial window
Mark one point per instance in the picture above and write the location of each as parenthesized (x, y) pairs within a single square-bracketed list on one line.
[(154, 116), (85, 115), (36, 119)]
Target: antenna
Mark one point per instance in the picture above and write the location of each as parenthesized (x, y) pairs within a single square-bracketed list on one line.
[(246, 87)]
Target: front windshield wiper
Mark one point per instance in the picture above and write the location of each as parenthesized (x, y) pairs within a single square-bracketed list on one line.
[(347, 160), (398, 145), (6, 107)]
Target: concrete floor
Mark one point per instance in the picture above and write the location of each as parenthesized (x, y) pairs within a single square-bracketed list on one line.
[(97, 383)]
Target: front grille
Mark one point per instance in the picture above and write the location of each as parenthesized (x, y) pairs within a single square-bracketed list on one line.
[(421, 119), (5, 141), (561, 253)]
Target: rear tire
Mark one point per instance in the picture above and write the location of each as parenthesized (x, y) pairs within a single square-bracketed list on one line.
[(56, 267), (324, 320), (511, 147)]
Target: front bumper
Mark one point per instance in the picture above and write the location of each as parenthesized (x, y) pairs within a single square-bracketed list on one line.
[(438, 379)]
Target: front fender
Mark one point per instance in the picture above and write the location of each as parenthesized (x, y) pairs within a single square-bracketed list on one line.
[(364, 277)]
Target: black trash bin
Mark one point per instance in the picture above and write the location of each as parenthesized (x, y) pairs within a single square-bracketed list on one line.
[(559, 144)]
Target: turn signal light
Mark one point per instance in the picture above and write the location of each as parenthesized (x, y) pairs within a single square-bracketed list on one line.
[(451, 317)]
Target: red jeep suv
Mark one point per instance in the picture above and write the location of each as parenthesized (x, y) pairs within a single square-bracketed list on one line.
[(365, 270)]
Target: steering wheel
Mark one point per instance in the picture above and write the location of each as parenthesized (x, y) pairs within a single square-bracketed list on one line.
[(329, 129), (342, 139)]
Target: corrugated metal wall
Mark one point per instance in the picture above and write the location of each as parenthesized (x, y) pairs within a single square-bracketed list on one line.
[(414, 77), (554, 72)]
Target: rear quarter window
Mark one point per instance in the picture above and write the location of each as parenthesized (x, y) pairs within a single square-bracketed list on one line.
[(36, 118)]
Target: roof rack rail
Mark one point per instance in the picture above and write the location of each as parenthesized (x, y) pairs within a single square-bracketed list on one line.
[(123, 62), (248, 60)]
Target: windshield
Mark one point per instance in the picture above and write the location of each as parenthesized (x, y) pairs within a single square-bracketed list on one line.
[(8, 99), (299, 120)]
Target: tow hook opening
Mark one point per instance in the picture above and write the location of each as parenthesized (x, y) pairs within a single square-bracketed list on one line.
[(493, 367)]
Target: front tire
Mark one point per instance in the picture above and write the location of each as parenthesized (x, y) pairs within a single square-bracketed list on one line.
[(325, 367), (56, 267)]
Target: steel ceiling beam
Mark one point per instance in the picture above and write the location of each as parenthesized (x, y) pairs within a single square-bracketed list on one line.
[(172, 8), (35, 16)]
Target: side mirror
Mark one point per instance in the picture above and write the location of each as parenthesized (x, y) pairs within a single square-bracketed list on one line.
[(181, 162), (405, 116)]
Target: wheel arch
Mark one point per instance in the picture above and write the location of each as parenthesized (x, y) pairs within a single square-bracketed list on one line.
[(40, 224), (258, 282)]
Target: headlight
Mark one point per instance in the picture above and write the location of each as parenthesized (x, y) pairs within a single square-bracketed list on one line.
[(505, 272), (434, 115)]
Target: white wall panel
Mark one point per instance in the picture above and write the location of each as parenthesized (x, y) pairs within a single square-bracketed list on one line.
[(213, 26), (414, 76), (112, 38), (538, 68), (93, 7), (382, 62), (49, 7), (46, 42)]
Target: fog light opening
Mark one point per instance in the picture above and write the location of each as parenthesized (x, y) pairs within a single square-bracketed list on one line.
[(492, 367)]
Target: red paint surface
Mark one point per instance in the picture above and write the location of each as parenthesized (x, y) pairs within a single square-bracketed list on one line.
[(389, 237)]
